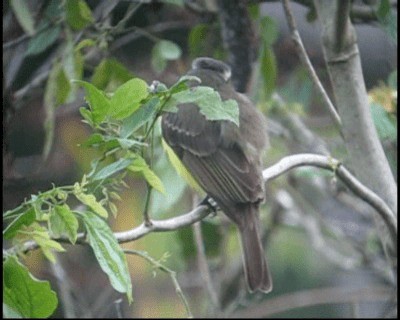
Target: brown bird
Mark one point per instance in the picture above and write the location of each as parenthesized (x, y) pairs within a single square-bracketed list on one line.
[(226, 161)]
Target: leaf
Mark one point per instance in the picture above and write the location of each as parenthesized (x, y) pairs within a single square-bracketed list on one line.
[(41, 236), (197, 38), (112, 168), (388, 19), (24, 294), (23, 14), (110, 74), (209, 102), (140, 117), (24, 219), (43, 40), (268, 71), (182, 83), (127, 98), (162, 51), (139, 165), (98, 102), (180, 168), (78, 14), (385, 126), (108, 253), (269, 30), (85, 43), (63, 222), (90, 201)]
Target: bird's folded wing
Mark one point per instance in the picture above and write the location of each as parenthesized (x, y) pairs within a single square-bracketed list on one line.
[(223, 172)]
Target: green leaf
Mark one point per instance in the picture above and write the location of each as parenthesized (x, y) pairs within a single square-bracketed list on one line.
[(269, 30), (85, 43), (112, 169), (180, 168), (162, 51), (41, 236), (388, 19), (95, 138), (24, 294), (98, 102), (196, 39), (110, 74), (78, 14), (90, 201), (139, 165), (24, 15), (24, 219), (385, 125), (268, 71), (209, 102), (127, 98), (63, 222), (108, 253), (140, 117), (182, 83), (43, 40)]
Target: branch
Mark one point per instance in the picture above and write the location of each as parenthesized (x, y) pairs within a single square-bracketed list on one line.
[(335, 166), (307, 63), (282, 166)]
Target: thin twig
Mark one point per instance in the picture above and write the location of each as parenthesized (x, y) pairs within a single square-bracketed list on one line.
[(342, 16), (167, 270), (307, 63)]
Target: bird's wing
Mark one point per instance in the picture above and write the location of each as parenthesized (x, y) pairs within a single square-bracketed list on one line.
[(224, 173)]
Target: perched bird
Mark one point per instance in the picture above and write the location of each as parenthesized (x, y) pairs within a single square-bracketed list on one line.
[(225, 160)]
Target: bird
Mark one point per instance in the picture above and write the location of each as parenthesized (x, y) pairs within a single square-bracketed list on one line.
[(226, 161)]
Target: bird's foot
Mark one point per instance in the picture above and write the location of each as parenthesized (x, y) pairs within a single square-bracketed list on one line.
[(210, 203)]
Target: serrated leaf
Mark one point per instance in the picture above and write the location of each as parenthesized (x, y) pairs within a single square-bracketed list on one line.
[(180, 168), (209, 102), (139, 165), (24, 294), (108, 253), (112, 169), (78, 14), (182, 83), (140, 117), (63, 222), (24, 219), (98, 102), (23, 14), (127, 98)]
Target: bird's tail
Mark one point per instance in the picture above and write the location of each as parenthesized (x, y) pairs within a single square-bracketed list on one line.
[(256, 268)]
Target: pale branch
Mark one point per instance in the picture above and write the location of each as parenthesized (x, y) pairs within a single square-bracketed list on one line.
[(307, 63), (281, 167), (328, 163)]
